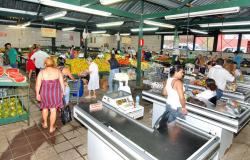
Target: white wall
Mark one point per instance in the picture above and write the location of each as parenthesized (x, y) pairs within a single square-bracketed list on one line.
[(150, 42), (27, 36)]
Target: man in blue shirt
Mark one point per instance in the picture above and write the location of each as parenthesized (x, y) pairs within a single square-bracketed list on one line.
[(12, 55), (237, 59)]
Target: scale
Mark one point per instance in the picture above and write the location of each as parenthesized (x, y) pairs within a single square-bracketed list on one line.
[(124, 102)]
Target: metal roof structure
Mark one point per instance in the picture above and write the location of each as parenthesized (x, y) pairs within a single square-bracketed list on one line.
[(130, 11)]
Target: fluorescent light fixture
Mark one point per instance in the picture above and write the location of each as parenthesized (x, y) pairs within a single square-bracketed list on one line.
[(42, 24), (198, 31), (204, 13), (55, 15), (108, 2), (68, 29), (153, 23), (234, 30), (125, 34), (98, 32), (239, 23), (110, 24), (18, 11), (16, 27), (75, 8), (7, 21), (73, 19), (25, 24), (144, 29), (179, 32)]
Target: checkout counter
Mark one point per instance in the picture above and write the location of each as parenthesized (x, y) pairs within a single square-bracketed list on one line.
[(113, 135), (215, 120)]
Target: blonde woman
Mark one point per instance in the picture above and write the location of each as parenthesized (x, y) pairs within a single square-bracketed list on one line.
[(49, 91)]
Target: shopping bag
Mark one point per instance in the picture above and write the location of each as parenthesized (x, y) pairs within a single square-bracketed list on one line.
[(65, 114)]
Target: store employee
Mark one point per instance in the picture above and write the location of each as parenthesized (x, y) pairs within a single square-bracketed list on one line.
[(221, 76)]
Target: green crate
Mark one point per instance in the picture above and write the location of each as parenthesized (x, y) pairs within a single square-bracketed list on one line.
[(17, 100)]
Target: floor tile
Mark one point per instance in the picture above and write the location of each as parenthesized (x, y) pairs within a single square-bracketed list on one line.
[(82, 149), (4, 147), (32, 130), (70, 154), (56, 139), (46, 154), (246, 156), (19, 142), (40, 145), (15, 135), (80, 158), (63, 146), (71, 134), (26, 157), (37, 136), (78, 141), (6, 155), (20, 151), (66, 128), (236, 151)]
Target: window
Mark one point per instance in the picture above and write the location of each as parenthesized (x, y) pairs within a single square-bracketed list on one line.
[(186, 43), (227, 42), (245, 43), (204, 43), (168, 42)]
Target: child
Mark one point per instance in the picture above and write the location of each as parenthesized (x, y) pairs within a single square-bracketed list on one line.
[(210, 92)]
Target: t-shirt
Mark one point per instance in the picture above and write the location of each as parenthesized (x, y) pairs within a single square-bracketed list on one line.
[(12, 54), (39, 58), (113, 64), (238, 59), (221, 76), (207, 94)]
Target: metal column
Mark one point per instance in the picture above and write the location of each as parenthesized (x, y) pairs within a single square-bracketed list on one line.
[(138, 70)]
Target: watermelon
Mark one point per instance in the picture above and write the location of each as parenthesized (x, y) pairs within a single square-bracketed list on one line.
[(19, 79), (11, 70), (13, 75)]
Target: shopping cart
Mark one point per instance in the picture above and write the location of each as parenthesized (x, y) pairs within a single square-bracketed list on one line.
[(76, 90)]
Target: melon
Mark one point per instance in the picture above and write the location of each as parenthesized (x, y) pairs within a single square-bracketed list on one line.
[(11, 70), (13, 75), (19, 79)]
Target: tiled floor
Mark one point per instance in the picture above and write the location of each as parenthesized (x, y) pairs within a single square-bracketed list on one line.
[(21, 142)]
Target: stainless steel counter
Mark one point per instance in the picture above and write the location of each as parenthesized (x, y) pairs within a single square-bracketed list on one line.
[(180, 141)]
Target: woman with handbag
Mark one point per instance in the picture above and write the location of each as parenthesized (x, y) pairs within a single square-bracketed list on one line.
[(49, 91), (66, 75)]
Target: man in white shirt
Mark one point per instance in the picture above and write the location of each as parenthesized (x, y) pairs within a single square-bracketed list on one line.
[(221, 76), (39, 57)]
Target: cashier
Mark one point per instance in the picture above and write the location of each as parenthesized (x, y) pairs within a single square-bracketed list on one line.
[(221, 77), (210, 92), (174, 90)]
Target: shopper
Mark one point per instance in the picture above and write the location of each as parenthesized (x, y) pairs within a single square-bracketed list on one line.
[(114, 68), (30, 66), (221, 76), (210, 92), (39, 57), (238, 59), (93, 72), (200, 63), (174, 89), (72, 52), (11, 53), (49, 91), (66, 76)]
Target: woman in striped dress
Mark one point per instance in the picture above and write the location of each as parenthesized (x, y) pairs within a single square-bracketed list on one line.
[(49, 91)]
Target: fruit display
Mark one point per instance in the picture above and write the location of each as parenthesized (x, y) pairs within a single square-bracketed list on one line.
[(11, 107), (11, 71), (144, 65), (1, 71), (80, 65), (199, 82)]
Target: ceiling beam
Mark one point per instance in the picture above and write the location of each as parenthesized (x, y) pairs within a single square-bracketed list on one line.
[(88, 2), (232, 3), (116, 12)]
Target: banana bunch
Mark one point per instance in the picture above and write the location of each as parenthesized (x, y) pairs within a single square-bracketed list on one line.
[(77, 65), (103, 65), (144, 65)]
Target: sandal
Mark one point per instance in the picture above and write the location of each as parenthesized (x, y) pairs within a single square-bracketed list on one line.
[(52, 131), (44, 126)]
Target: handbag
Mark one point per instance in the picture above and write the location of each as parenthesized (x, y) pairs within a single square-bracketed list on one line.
[(65, 113)]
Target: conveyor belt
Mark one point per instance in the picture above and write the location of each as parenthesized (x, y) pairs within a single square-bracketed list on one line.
[(178, 143)]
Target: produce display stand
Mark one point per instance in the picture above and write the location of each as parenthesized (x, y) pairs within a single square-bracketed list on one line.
[(14, 101)]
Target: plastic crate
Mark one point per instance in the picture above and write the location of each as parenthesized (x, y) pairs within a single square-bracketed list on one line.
[(13, 109)]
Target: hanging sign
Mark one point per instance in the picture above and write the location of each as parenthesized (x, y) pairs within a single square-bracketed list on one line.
[(48, 32), (141, 42)]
